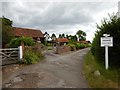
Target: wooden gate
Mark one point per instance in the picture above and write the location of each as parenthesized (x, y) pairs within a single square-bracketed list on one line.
[(10, 55)]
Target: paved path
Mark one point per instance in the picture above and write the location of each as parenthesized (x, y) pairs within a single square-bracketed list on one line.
[(56, 71)]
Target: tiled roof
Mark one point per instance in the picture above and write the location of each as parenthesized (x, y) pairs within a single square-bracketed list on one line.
[(61, 40), (27, 32)]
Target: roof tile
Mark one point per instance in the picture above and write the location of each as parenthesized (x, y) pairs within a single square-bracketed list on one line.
[(27, 32), (61, 40)]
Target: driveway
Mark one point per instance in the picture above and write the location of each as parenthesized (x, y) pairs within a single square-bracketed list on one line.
[(55, 71)]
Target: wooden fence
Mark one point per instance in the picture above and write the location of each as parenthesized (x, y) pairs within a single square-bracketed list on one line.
[(10, 55)]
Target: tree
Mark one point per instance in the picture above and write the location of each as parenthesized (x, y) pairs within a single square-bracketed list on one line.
[(109, 26), (7, 31), (53, 37), (1, 32), (67, 36), (60, 36), (63, 35), (81, 35), (47, 36), (72, 38), (6, 21)]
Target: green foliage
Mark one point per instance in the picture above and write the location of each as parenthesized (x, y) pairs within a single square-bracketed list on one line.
[(109, 26), (49, 48), (6, 21), (78, 45), (109, 77), (31, 57), (53, 37), (72, 38), (7, 30), (60, 36), (47, 36), (88, 45), (72, 46), (46, 43), (0, 32), (63, 35), (81, 46), (81, 34), (67, 36), (15, 42)]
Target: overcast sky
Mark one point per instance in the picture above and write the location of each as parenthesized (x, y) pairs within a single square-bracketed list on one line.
[(59, 17)]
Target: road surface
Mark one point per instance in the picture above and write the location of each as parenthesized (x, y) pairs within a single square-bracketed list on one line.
[(55, 71)]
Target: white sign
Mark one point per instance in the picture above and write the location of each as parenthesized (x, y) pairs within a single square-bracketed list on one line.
[(106, 41)]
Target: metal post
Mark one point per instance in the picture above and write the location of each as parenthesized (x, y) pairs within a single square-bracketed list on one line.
[(106, 57)]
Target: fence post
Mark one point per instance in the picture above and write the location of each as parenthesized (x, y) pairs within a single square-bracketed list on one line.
[(20, 53)]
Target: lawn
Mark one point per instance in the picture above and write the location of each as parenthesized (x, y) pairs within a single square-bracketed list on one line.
[(107, 79)]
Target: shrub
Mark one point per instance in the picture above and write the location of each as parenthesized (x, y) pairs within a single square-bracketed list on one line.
[(109, 26), (81, 46), (72, 46), (77, 45), (15, 42), (31, 57), (49, 48), (88, 45)]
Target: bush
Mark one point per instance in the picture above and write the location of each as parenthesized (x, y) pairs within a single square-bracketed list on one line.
[(88, 45), (72, 46), (77, 45), (81, 46), (15, 42), (109, 26), (31, 57), (49, 48)]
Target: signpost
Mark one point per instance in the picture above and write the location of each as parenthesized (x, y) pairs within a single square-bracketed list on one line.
[(106, 42)]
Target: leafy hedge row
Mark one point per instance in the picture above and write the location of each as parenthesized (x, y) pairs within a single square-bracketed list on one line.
[(76, 45)]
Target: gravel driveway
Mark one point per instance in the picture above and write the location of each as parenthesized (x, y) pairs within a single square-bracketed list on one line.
[(56, 71)]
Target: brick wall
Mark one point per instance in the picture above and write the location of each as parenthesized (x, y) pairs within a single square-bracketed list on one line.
[(62, 49)]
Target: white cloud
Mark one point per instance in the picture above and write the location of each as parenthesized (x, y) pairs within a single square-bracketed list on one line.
[(64, 17)]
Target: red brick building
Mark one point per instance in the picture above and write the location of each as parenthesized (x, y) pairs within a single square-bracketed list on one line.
[(37, 35), (61, 41)]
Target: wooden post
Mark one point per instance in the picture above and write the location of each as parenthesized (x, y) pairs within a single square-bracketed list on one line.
[(22, 44), (20, 53)]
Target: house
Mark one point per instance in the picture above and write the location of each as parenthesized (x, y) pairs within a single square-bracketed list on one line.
[(37, 35), (61, 41)]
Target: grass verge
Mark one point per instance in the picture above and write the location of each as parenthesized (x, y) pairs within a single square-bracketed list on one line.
[(107, 79)]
